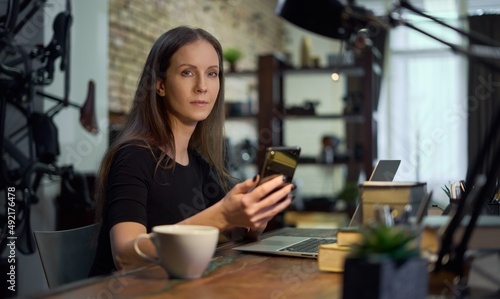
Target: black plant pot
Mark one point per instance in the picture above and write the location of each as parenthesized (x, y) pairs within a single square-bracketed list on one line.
[(385, 280)]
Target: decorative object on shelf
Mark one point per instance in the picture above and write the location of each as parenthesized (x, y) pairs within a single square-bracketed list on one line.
[(315, 62), (305, 52), (237, 108), (252, 90), (240, 155), (246, 152), (387, 261), (329, 146), (353, 103), (232, 55), (309, 108)]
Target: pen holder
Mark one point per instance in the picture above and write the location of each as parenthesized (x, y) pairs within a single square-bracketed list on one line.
[(386, 279)]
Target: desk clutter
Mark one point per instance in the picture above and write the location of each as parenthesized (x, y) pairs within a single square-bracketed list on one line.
[(392, 219), (414, 273)]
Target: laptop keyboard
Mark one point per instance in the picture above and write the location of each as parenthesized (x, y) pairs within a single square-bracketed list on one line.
[(309, 245)]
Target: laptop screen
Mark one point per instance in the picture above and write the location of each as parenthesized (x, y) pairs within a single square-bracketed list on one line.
[(385, 170)]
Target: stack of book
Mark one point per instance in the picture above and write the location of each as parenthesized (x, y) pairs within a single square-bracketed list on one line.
[(331, 257)]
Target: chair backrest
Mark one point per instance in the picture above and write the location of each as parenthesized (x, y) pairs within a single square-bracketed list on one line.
[(66, 255)]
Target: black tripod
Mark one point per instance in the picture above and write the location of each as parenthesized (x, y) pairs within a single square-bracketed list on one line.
[(29, 137)]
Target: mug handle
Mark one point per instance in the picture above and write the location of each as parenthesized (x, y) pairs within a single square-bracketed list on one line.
[(138, 250)]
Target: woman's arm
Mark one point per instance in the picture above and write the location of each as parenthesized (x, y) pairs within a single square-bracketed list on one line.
[(122, 245), (244, 206)]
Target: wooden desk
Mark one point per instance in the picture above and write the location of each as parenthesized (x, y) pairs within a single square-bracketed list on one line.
[(231, 274)]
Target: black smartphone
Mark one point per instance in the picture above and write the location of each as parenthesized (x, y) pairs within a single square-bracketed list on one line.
[(280, 160)]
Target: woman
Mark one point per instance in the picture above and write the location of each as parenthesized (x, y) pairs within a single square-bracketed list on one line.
[(167, 165)]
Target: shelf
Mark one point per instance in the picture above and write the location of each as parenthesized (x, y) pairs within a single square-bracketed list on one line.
[(355, 71), (350, 118), (337, 160)]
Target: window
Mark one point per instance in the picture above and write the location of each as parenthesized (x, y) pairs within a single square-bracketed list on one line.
[(422, 113)]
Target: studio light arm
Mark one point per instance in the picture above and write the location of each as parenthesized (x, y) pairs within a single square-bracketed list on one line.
[(451, 256), (480, 39), (484, 53)]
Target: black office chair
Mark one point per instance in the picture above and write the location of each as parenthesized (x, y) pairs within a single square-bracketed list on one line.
[(67, 255)]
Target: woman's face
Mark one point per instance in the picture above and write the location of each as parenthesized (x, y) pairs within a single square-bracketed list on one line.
[(192, 82)]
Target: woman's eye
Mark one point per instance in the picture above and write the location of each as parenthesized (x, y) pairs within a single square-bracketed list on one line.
[(213, 74), (187, 73)]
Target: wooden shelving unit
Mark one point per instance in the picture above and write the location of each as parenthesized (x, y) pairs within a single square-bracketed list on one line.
[(361, 128)]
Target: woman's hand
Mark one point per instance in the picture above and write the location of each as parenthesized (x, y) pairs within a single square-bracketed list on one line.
[(251, 206), (247, 208)]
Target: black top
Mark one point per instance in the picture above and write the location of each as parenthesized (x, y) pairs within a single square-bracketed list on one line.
[(139, 191)]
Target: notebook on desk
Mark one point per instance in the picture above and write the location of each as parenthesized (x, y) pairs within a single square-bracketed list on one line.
[(385, 170)]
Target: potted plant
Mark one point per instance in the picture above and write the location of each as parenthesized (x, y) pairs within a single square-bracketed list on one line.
[(386, 264), (232, 55), (350, 194)]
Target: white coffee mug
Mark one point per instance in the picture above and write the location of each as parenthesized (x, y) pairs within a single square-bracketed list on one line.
[(184, 251)]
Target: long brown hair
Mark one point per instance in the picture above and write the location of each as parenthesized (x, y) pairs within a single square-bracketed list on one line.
[(148, 122)]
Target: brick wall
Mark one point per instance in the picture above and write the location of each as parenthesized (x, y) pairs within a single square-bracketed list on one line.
[(251, 26)]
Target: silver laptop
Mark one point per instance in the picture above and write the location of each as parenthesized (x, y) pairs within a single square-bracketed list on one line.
[(385, 170)]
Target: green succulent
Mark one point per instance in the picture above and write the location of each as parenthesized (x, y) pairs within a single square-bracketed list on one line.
[(381, 242), (232, 55)]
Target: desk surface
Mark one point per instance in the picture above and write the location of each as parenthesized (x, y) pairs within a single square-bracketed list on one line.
[(231, 274)]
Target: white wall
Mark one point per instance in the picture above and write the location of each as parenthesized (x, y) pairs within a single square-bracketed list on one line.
[(89, 60)]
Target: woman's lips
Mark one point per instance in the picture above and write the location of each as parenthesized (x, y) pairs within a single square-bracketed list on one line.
[(199, 103)]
